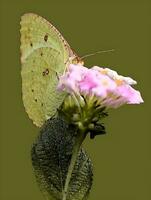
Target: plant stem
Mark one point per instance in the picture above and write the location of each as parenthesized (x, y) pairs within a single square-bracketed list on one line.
[(79, 139), (76, 102)]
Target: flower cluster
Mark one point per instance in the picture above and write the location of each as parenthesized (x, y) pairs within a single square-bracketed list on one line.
[(110, 89)]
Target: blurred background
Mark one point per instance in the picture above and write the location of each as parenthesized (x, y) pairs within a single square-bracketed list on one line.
[(122, 157)]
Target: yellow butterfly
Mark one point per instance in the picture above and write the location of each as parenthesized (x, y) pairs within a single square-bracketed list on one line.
[(45, 54)]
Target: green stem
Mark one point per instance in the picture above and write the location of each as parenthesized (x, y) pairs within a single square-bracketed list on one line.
[(80, 137), (76, 102)]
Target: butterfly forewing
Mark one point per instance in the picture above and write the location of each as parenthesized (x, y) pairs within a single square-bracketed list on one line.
[(36, 32)]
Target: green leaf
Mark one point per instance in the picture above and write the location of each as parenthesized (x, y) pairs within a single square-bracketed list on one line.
[(53, 156)]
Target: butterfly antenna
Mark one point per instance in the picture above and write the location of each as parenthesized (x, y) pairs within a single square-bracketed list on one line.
[(98, 52)]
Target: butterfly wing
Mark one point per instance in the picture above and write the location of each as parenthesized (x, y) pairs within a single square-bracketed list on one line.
[(44, 53)]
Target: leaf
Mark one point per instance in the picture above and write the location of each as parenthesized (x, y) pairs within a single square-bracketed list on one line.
[(51, 158)]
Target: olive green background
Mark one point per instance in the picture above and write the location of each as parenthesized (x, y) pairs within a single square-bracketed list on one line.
[(122, 158)]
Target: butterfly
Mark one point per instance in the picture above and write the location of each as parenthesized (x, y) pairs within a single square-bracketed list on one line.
[(45, 55)]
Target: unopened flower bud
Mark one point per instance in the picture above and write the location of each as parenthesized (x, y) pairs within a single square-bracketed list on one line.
[(76, 117), (91, 126)]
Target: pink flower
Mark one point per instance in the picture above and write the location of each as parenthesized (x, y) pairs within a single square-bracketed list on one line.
[(130, 95), (69, 81), (111, 89)]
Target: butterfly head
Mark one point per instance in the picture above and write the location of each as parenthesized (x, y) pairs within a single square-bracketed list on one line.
[(76, 60), (73, 60)]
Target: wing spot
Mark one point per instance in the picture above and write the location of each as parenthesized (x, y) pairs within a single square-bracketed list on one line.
[(35, 100), (57, 76), (42, 104), (41, 54), (46, 38), (32, 90), (46, 72), (31, 44)]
